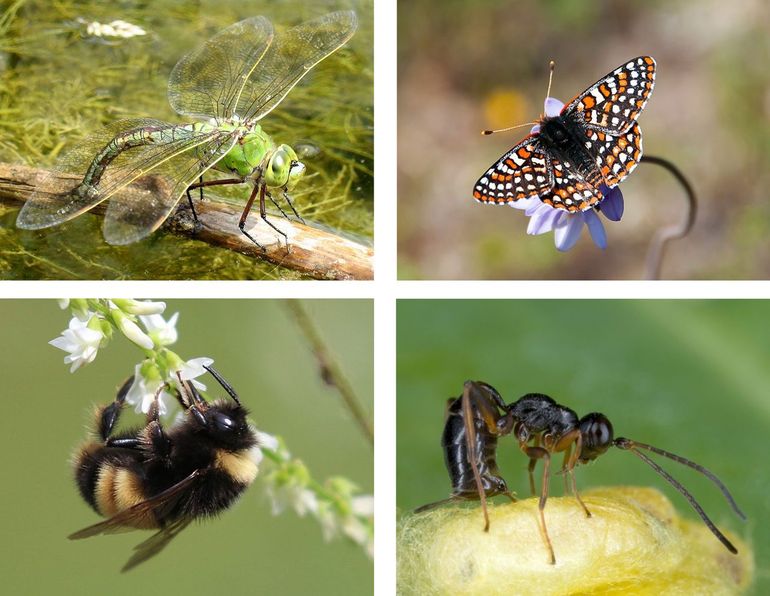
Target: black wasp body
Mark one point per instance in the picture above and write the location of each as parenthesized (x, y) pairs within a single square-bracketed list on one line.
[(542, 427), (158, 478)]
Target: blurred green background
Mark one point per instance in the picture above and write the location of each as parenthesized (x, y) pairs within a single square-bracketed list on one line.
[(690, 377), (259, 349), (484, 64), (58, 84)]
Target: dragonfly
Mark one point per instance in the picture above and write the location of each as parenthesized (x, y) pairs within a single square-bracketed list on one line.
[(145, 166)]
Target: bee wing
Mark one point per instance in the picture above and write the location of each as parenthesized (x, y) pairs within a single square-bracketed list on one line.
[(156, 543), (128, 519)]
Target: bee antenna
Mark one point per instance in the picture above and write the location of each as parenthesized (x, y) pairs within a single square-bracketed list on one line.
[(633, 446), (225, 385)]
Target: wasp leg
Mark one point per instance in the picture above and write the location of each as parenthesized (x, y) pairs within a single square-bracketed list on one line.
[(541, 453)]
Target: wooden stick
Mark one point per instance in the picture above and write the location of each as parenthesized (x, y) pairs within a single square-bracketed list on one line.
[(314, 252)]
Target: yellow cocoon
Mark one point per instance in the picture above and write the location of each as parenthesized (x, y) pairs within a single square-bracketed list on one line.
[(633, 543)]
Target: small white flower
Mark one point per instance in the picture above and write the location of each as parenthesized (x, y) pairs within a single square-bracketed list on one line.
[(141, 307), (362, 505), (63, 303), (161, 331), (194, 368), (328, 521), (294, 495), (268, 441), (355, 529), (142, 393), (132, 331), (80, 341)]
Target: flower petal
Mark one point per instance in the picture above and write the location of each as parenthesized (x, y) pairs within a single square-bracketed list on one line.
[(553, 107), (612, 205), (567, 231), (596, 229), (543, 220)]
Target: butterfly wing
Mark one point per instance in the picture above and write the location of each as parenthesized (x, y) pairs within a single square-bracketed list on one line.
[(617, 156), (614, 102), (569, 192), (521, 173)]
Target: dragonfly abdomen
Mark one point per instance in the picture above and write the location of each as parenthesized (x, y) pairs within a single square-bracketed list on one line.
[(124, 141)]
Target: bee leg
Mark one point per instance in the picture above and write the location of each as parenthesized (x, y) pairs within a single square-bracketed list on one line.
[(107, 417)]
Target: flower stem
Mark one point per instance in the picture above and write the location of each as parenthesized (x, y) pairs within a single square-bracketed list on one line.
[(656, 250), (330, 370)]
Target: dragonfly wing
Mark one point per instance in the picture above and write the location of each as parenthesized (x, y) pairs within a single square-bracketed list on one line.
[(289, 58), (49, 205), (138, 210), (207, 82)]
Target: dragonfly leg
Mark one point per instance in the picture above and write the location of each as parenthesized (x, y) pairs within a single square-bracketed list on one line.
[(273, 201), (288, 200), (263, 213), (190, 201), (245, 214)]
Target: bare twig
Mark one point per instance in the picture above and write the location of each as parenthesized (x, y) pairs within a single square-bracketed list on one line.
[(330, 371), (656, 250)]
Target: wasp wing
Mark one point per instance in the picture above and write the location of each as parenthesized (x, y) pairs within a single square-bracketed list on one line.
[(207, 82), (290, 57), (140, 514)]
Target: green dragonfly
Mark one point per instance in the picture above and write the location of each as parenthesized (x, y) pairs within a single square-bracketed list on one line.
[(232, 81)]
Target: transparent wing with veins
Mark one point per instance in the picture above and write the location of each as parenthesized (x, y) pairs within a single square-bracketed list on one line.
[(207, 83), (292, 54)]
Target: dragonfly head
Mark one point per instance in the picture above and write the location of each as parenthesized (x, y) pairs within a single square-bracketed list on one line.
[(284, 168)]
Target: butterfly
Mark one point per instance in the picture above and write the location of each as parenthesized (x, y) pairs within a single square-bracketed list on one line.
[(594, 140)]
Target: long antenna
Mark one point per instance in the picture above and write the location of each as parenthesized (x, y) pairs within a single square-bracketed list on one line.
[(551, 67), (633, 446)]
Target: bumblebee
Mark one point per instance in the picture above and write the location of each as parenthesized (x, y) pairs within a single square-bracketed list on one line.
[(164, 478)]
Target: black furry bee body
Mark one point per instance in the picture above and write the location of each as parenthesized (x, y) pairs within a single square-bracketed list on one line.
[(164, 478)]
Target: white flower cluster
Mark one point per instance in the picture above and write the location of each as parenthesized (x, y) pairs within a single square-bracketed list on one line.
[(92, 326), (333, 504), (116, 28)]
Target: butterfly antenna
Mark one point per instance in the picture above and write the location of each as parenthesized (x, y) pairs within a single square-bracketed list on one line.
[(491, 132), (633, 446), (551, 68)]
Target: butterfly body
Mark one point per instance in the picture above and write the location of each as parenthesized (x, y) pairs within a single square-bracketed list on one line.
[(594, 141)]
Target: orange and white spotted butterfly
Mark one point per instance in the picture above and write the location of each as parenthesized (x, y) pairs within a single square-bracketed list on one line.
[(594, 140)]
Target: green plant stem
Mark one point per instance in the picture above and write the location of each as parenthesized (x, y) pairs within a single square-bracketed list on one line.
[(330, 370)]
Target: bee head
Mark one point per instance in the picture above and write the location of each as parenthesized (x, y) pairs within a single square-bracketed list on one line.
[(224, 423)]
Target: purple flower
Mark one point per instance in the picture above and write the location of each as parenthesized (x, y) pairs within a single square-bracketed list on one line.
[(567, 226)]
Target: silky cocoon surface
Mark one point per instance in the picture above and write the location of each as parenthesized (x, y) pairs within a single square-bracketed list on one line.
[(634, 543)]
